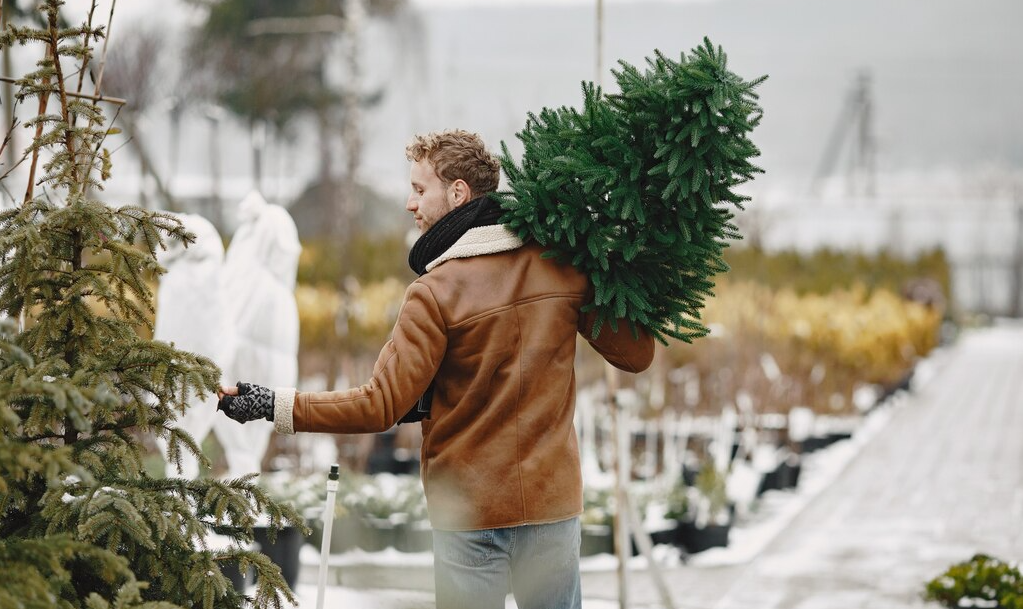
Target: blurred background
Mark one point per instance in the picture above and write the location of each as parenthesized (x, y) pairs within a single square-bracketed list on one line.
[(889, 218)]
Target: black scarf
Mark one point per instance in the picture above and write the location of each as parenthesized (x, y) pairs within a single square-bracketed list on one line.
[(481, 211)]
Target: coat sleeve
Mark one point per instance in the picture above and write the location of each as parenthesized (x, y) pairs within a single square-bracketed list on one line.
[(620, 349), (402, 373)]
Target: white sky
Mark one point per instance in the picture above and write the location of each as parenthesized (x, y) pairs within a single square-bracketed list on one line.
[(139, 7), (441, 3)]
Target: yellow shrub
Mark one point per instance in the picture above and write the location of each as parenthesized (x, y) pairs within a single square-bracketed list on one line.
[(849, 336)]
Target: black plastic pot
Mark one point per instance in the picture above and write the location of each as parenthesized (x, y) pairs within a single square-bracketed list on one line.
[(794, 467), (414, 537), (597, 539), (239, 580), (697, 539), (376, 534), (784, 476), (664, 536), (838, 436), (343, 536), (283, 551)]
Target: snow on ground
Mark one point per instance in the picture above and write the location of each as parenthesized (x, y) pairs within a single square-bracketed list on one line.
[(807, 548), (395, 599), (775, 511)]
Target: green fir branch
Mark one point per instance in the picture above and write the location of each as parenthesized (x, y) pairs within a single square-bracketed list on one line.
[(631, 189), (81, 523)]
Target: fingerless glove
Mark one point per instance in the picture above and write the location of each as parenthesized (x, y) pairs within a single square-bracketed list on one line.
[(252, 402)]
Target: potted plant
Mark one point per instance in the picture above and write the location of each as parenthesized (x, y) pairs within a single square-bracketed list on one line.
[(597, 522), (783, 473), (414, 533), (305, 494), (659, 513), (391, 512), (678, 508), (982, 581), (372, 505), (711, 518)]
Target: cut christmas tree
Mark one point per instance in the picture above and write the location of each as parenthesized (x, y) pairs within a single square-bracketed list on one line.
[(81, 522), (635, 189)]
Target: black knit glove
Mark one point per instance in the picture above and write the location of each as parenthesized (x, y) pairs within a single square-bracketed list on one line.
[(252, 402)]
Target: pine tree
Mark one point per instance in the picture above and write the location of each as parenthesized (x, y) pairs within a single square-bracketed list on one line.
[(634, 188), (81, 522)]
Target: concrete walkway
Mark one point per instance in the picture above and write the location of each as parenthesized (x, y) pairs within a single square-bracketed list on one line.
[(942, 479)]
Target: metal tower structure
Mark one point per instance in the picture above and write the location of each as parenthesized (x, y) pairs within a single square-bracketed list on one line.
[(855, 123)]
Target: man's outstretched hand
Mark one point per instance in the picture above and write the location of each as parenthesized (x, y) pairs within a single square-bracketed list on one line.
[(247, 402)]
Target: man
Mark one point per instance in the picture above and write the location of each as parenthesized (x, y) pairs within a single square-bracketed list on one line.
[(483, 347)]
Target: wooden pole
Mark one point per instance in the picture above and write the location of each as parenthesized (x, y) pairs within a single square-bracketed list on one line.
[(620, 431), (600, 43), (103, 55), (44, 100), (88, 57), (97, 98), (619, 423), (646, 548), (628, 523)]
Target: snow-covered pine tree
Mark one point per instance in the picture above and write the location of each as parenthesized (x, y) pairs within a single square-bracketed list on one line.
[(81, 522), (634, 189)]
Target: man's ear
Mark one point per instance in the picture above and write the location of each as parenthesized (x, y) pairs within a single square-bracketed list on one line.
[(461, 191)]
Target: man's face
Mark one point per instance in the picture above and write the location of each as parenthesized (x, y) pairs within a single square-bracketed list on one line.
[(430, 200)]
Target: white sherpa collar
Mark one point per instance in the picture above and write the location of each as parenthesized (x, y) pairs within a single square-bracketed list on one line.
[(477, 242)]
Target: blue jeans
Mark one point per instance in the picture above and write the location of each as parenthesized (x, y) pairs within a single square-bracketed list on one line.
[(538, 563)]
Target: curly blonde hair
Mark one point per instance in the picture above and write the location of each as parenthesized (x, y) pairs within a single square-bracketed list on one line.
[(457, 154)]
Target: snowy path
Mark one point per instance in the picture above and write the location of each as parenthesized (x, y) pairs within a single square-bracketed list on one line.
[(942, 481), (934, 480)]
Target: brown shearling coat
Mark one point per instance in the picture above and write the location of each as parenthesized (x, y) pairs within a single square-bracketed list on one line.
[(497, 330)]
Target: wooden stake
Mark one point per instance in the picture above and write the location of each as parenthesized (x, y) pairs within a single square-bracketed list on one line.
[(85, 61), (646, 548), (44, 99), (103, 56), (600, 43), (69, 141), (96, 98), (628, 524), (620, 429)]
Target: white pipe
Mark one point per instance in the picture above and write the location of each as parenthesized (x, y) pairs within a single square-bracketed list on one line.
[(328, 526)]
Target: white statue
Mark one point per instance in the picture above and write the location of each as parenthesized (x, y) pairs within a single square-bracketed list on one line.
[(190, 312), (259, 279)]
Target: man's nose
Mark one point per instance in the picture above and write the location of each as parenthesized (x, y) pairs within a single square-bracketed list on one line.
[(410, 204)]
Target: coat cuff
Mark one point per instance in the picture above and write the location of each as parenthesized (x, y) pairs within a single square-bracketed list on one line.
[(284, 410)]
